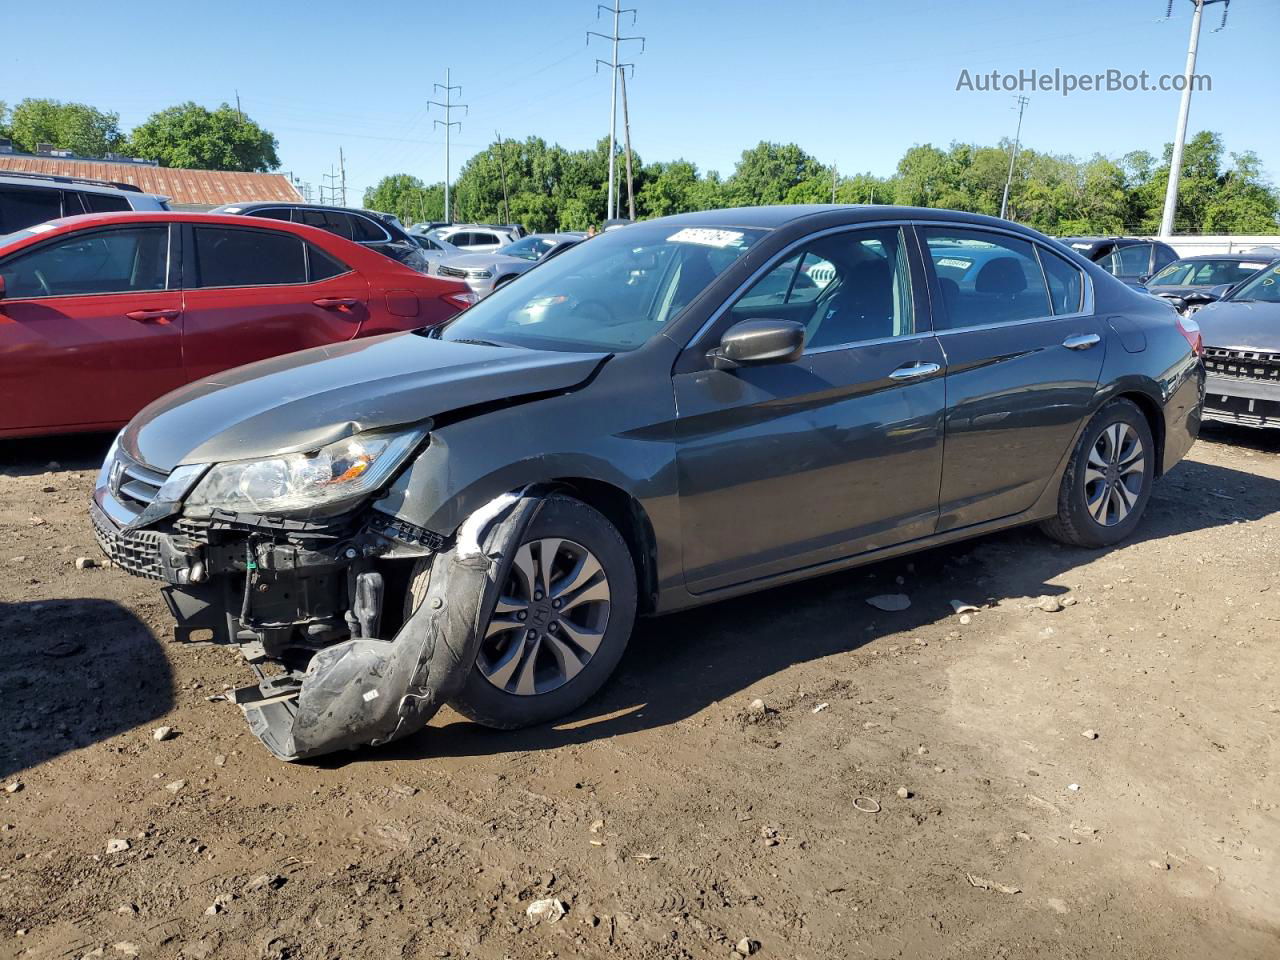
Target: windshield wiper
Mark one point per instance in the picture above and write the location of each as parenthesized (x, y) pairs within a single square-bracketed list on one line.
[(479, 343)]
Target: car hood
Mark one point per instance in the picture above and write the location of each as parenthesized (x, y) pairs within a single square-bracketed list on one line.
[(305, 400), (1241, 325), (482, 261)]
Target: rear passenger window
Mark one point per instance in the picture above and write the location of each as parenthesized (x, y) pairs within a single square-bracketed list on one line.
[(1134, 260), (20, 209), (985, 278), (226, 257), (364, 230), (322, 266), (71, 205), (273, 213), (104, 202), (1066, 283)]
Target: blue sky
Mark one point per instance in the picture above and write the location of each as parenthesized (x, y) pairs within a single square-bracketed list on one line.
[(853, 82)]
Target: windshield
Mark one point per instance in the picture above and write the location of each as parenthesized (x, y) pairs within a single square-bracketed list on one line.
[(1264, 286), (529, 248), (612, 293), (1205, 273)]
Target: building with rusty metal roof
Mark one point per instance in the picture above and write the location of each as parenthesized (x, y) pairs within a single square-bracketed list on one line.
[(186, 189)]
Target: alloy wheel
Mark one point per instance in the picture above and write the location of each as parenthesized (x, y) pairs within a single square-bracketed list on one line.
[(549, 619), (1114, 474)]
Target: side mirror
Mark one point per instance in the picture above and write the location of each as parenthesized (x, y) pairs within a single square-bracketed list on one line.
[(754, 342), (1144, 278)]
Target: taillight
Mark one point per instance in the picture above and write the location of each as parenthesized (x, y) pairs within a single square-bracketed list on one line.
[(1191, 331)]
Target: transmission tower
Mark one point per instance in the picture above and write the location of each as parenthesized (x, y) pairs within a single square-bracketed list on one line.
[(614, 66), (448, 123)]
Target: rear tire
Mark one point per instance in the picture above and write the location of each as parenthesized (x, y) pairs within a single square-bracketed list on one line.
[(561, 623), (1108, 480)]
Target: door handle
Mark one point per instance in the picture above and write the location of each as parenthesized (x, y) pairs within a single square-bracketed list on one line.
[(145, 316), (335, 303), (915, 371), (1081, 341)]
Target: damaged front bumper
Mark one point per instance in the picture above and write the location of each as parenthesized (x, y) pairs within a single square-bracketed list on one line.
[(1242, 387), (338, 665)]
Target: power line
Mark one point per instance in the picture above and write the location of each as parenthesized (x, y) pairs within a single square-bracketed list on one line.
[(1184, 109), (1013, 156), (448, 123), (614, 66)]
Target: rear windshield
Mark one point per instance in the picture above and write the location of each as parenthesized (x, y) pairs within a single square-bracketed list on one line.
[(611, 293)]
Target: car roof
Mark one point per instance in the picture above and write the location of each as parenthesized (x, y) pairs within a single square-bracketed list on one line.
[(1236, 257), (85, 185), (316, 235)]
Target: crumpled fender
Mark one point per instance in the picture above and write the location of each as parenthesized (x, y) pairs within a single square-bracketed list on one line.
[(368, 691)]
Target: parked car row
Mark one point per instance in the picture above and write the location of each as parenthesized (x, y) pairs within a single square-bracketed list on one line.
[(102, 313)]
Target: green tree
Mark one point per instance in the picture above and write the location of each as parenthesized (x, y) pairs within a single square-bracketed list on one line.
[(407, 197), (192, 136), (78, 127), (768, 172)]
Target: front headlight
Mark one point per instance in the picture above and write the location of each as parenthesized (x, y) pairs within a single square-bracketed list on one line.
[(478, 274), (336, 475)]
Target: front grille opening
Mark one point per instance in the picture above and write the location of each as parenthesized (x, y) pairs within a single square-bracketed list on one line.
[(1243, 364)]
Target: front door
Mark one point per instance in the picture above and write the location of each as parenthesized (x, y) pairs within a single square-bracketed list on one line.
[(794, 464), (254, 292), (1024, 353), (90, 329)]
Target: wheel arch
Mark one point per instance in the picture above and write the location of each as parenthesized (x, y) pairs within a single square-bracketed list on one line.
[(630, 519), (1152, 411)]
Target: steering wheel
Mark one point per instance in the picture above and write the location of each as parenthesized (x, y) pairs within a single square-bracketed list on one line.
[(44, 284), (594, 309)]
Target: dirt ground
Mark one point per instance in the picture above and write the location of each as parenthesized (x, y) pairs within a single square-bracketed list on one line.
[(1093, 782)]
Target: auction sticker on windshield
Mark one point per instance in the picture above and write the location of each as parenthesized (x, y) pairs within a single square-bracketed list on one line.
[(707, 237)]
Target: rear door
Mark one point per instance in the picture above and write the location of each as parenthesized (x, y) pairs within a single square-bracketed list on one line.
[(90, 328), (795, 464), (1024, 352), (255, 292)]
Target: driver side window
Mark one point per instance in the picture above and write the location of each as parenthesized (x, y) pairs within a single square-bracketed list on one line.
[(845, 288)]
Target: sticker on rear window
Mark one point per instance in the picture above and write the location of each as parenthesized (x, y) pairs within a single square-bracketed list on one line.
[(958, 264), (707, 237)]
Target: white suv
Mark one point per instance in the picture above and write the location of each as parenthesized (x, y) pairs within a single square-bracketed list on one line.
[(475, 238)]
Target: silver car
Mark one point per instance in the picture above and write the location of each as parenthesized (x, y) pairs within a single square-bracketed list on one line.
[(484, 272), (434, 248)]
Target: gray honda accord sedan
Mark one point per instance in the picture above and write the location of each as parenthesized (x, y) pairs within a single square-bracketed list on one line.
[(667, 415)]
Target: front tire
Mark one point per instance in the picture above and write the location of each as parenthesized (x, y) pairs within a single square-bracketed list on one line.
[(1108, 480), (561, 623)]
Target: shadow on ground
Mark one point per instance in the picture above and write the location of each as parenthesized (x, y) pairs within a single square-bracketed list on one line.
[(677, 665), (80, 451), (74, 672)]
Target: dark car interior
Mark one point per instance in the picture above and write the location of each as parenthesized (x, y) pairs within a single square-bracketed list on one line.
[(116, 261)]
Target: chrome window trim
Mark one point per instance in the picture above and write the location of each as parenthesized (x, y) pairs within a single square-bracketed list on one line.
[(855, 344), (777, 259)]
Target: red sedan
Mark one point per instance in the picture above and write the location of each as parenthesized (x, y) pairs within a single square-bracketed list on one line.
[(101, 314)]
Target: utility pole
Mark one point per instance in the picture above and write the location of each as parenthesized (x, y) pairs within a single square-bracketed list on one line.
[(835, 178), (613, 65), (342, 168), (1013, 156), (626, 132), (1184, 109), (448, 123), (502, 171), (239, 115)]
